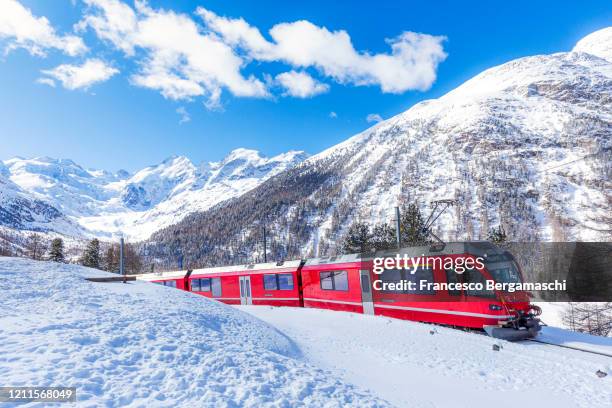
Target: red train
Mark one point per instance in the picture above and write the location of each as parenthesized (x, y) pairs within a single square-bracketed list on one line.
[(348, 283)]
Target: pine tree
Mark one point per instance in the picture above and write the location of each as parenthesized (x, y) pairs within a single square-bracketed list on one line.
[(497, 235), (412, 226), (383, 236), (91, 255), (357, 239), (56, 252)]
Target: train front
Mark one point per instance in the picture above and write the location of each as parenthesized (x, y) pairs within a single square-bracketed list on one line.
[(501, 267)]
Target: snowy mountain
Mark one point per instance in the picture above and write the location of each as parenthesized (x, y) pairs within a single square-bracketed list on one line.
[(527, 144), (96, 202), (19, 210)]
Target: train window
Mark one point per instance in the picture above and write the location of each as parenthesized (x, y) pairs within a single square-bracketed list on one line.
[(503, 268), (327, 282), (474, 276), (171, 283), (215, 284), (392, 276), (341, 280), (285, 281), (334, 280), (454, 278), (205, 285), (270, 282), (195, 285), (423, 273), (396, 276)]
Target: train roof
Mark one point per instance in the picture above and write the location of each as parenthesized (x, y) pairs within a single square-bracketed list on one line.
[(270, 266), (161, 275), (450, 248)]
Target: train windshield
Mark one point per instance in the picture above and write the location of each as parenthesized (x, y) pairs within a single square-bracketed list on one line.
[(503, 268)]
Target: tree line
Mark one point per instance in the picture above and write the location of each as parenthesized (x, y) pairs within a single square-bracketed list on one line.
[(361, 237), (96, 254)]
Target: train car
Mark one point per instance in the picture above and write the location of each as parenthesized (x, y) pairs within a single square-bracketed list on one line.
[(501, 314), (348, 283), (336, 283), (175, 279), (273, 284)]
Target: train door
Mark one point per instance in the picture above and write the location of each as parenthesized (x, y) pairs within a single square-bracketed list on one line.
[(245, 290), (366, 292)]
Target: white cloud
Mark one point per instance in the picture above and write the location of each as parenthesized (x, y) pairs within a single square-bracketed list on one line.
[(374, 117), (411, 64), (183, 114), (46, 81), (333, 115), (181, 61), (80, 76), (22, 29), (300, 84)]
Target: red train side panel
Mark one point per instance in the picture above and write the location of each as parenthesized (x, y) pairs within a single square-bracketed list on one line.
[(273, 284)]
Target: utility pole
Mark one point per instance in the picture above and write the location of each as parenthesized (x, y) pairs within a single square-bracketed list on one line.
[(398, 236), (121, 264), (265, 244)]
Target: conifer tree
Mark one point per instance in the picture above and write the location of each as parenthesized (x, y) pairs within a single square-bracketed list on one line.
[(91, 255), (357, 239), (56, 251), (497, 235), (383, 236), (412, 226)]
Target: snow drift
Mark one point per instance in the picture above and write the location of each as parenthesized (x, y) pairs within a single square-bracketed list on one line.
[(140, 344)]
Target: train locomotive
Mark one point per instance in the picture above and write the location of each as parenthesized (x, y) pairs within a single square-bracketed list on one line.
[(348, 283)]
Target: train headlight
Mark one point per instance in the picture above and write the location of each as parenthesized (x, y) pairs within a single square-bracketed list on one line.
[(497, 308)]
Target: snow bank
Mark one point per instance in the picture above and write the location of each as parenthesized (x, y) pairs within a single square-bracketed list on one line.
[(404, 363), (140, 344)]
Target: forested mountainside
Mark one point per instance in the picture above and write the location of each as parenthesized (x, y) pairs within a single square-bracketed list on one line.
[(526, 145)]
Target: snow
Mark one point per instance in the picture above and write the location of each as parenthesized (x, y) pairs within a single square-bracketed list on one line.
[(107, 205), (598, 43), (403, 363), (552, 313), (582, 341), (489, 144), (143, 345)]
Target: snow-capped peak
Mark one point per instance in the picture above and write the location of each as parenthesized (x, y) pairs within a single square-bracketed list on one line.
[(139, 204), (598, 43)]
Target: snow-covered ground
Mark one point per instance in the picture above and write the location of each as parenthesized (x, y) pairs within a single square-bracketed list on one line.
[(405, 364), (145, 345)]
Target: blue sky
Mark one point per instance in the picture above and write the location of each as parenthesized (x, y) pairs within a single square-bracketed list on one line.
[(281, 94)]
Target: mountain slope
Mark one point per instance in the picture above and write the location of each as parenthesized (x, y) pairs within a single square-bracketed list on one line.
[(102, 204), (18, 210), (526, 144)]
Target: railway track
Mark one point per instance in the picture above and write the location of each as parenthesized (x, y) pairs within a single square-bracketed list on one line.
[(568, 347)]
